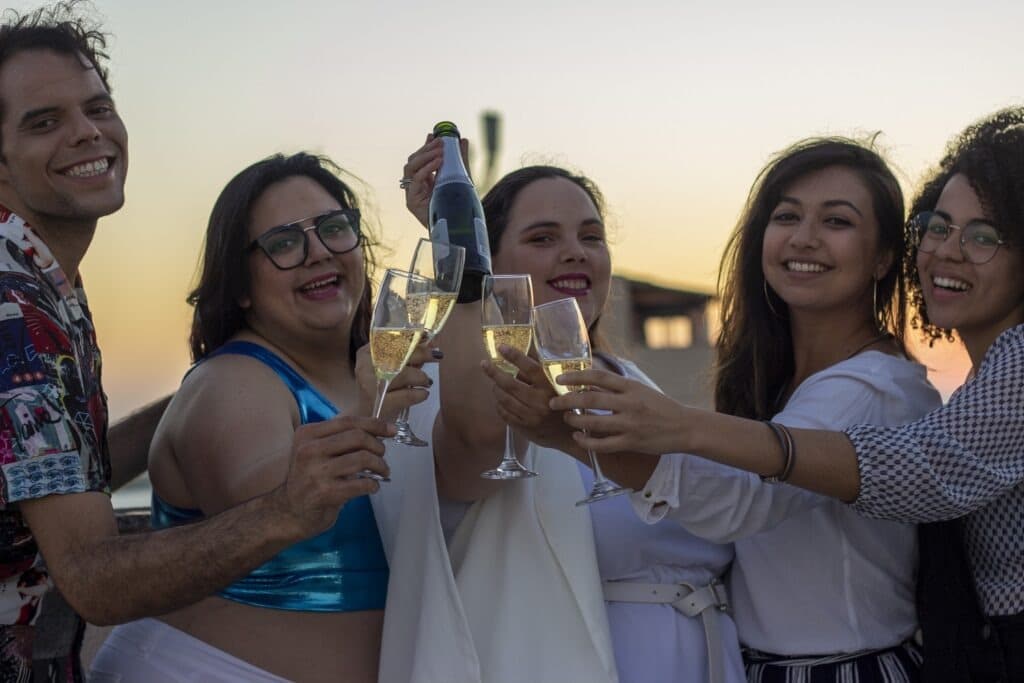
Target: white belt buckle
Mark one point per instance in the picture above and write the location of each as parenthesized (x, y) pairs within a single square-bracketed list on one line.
[(721, 597)]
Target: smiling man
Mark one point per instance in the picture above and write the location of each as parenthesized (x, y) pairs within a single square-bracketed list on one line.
[(63, 160)]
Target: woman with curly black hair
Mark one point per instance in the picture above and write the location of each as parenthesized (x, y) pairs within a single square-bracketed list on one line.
[(963, 462)]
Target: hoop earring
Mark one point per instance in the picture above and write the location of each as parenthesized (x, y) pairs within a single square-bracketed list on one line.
[(875, 313), (768, 299)]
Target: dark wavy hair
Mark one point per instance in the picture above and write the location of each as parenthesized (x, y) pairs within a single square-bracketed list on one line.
[(755, 345), (59, 27), (224, 268), (990, 154), (498, 201)]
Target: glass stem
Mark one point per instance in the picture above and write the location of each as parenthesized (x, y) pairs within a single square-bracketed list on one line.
[(382, 390), (595, 466), (403, 416), (598, 474), (510, 447)]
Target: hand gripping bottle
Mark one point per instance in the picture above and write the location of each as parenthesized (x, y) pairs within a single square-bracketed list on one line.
[(456, 216)]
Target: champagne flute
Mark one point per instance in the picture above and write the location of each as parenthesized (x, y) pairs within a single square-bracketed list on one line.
[(395, 330), (563, 345), (442, 264), (507, 318)]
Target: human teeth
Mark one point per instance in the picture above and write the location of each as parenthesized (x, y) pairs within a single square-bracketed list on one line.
[(317, 284), (90, 168), (569, 284), (805, 267), (950, 283)]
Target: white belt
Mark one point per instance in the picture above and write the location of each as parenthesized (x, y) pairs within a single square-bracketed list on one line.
[(706, 602)]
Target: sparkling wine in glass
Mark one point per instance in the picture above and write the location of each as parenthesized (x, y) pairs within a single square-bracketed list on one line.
[(563, 345), (507, 318), (440, 263), (395, 330)]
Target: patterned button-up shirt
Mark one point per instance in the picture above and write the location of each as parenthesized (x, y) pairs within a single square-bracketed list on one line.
[(53, 432), (963, 460)]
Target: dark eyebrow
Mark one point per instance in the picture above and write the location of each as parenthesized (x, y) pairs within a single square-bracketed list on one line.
[(541, 224), (554, 224), (843, 202), (981, 219), (100, 97), (35, 113), (827, 203), (41, 111), (297, 225)]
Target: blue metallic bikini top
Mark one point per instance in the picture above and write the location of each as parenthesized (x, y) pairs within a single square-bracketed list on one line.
[(341, 570)]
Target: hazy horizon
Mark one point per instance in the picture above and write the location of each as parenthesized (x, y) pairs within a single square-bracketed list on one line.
[(671, 109)]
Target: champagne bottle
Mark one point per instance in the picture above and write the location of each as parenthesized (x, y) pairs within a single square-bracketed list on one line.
[(456, 216)]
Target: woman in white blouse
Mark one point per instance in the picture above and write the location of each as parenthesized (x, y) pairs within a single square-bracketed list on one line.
[(963, 461), (813, 300)]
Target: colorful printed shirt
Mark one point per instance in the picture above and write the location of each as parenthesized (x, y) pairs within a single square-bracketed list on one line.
[(53, 438)]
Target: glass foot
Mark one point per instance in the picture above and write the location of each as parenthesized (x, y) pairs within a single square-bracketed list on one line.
[(508, 470), (405, 435), (370, 474), (602, 490)]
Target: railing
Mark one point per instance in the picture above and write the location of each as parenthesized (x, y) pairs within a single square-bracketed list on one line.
[(132, 520)]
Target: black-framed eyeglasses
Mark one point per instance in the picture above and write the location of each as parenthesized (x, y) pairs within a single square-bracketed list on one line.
[(979, 241), (287, 246)]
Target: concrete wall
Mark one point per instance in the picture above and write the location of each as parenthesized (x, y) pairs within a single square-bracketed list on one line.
[(684, 374)]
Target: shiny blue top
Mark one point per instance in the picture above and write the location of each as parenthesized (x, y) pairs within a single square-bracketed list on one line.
[(342, 569)]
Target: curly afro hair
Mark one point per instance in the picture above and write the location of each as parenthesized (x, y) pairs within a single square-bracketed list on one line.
[(990, 154)]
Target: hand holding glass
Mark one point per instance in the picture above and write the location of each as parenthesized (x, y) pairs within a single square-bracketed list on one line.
[(440, 263), (507, 318), (563, 345)]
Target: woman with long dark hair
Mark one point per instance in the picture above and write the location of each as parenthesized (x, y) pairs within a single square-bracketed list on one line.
[(963, 461), (558, 559), (281, 308), (812, 335)]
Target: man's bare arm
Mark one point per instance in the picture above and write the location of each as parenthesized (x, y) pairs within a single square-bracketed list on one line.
[(129, 440), (109, 579)]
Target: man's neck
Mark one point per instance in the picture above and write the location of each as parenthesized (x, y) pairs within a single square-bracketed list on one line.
[(67, 240)]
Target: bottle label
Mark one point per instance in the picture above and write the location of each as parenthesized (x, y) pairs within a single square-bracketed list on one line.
[(481, 234), (439, 232)]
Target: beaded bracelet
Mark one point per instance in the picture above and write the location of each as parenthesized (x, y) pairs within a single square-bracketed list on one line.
[(788, 452)]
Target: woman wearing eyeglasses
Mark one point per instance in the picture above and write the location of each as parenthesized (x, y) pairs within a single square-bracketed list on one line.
[(281, 307), (963, 462)]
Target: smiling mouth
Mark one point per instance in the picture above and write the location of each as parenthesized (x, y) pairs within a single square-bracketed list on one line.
[(89, 169), (950, 284), (805, 267), (320, 284), (570, 284)]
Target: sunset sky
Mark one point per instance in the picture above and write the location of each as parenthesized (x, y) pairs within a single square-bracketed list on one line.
[(671, 107)]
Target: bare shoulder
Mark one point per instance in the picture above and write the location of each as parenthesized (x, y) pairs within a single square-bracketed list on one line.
[(227, 433)]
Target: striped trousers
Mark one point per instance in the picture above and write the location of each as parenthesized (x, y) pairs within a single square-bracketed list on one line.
[(899, 664)]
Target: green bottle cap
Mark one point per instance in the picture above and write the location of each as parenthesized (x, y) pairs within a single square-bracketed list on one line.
[(446, 128)]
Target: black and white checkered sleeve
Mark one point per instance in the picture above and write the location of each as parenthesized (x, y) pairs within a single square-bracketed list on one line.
[(955, 459)]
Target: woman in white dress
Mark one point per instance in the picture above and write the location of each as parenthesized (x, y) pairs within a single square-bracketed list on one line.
[(549, 223)]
